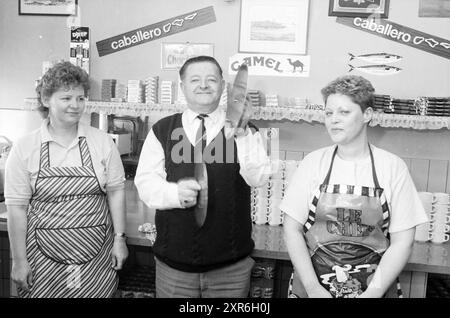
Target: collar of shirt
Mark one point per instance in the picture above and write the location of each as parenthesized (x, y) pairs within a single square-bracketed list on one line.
[(213, 124), (215, 118), (46, 136)]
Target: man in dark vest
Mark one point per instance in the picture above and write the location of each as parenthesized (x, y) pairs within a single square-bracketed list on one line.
[(210, 259)]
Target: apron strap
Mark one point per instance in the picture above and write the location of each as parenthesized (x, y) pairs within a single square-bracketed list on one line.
[(374, 173), (82, 146), (327, 178), (44, 161), (84, 152)]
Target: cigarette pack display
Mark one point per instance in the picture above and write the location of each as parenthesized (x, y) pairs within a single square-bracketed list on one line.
[(272, 100), (135, 91), (121, 92), (151, 89), (79, 47), (108, 89), (166, 92), (255, 97)]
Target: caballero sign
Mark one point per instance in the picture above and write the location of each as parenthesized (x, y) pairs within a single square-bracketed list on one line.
[(156, 31), (401, 34)]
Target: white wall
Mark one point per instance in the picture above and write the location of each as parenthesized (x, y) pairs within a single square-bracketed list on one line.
[(29, 40)]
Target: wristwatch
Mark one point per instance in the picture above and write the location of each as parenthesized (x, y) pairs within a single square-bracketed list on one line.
[(120, 234)]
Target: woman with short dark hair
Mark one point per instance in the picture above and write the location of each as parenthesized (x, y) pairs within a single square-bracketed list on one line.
[(351, 208)]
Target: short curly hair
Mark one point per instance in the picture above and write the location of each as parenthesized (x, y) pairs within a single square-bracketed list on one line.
[(61, 75), (359, 89)]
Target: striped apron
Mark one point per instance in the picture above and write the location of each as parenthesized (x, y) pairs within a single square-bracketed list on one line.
[(347, 234), (69, 234)]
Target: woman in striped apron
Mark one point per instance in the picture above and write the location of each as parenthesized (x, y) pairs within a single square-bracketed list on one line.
[(344, 237), (71, 249)]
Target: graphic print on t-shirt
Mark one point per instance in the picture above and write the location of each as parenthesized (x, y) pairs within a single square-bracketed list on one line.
[(349, 224)]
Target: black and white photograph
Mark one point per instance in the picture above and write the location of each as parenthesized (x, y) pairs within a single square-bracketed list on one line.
[(434, 8), (274, 27), (227, 156), (47, 7), (359, 8)]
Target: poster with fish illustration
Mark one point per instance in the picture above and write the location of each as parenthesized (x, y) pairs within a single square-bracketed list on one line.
[(271, 64), (378, 62), (376, 58), (376, 69)]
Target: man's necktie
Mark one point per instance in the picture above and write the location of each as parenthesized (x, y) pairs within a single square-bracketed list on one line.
[(200, 139), (200, 172)]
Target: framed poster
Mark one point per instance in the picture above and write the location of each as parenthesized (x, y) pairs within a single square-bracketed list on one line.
[(434, 8), (268, 26), (173, 55), (47, 7), (358, 8)]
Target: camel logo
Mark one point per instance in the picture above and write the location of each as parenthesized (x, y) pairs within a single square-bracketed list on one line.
[(271, 64), (296, 65)]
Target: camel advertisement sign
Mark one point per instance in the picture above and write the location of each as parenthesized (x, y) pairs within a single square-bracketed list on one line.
[(156, 31), (400, 34), (271, 64)]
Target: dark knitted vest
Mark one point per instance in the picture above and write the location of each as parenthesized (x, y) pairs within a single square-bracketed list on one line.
[(225, 237)]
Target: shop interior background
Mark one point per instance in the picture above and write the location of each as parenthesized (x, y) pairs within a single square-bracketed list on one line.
[(27, 41)]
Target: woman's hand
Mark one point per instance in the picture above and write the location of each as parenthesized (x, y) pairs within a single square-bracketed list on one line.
[(119, 253), (21, 275)]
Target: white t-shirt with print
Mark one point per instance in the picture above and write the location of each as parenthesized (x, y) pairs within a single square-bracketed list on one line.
[(393, 176)]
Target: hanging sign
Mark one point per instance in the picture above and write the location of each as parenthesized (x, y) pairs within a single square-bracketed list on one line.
[(156, 31), (271, 64), (401, 34)]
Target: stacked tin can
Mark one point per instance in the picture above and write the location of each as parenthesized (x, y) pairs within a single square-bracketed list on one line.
[(275, 193), (259, 201), (265, 200), (262, 279), (437, 207), (440, 217)]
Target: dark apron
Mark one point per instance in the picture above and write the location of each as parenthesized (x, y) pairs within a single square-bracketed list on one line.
[(347, 234), (69, 234)]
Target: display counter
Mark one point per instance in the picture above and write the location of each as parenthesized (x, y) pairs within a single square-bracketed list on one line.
[(425, 258)]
